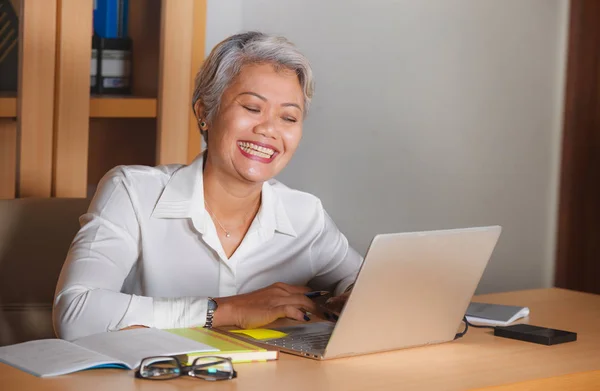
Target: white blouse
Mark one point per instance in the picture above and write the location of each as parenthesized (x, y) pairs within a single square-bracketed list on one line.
[(148, 252)]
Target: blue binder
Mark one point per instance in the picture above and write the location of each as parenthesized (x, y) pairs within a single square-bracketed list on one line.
[(110, 18)]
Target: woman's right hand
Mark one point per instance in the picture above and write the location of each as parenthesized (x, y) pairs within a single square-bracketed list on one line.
[(263, 306)]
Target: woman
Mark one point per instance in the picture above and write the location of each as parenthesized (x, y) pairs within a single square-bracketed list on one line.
[(217, 242)]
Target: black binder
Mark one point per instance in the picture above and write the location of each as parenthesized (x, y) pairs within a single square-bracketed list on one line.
[(9, 51), (94, 66), (113, 65)]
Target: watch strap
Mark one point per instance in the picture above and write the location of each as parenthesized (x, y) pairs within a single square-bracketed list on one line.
[(210, 312)]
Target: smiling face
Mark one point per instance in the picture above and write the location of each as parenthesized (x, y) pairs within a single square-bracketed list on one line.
[(259, 124)]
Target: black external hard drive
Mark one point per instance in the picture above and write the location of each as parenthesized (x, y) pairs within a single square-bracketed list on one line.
[(535, 334)]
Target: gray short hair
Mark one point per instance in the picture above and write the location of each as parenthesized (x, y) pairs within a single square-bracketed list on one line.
[(226, 60)]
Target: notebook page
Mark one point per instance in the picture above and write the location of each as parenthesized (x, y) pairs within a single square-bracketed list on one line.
[(52, 357), (132, 346)]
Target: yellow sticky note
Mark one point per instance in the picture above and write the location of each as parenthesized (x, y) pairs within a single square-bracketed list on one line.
[(260, 333)]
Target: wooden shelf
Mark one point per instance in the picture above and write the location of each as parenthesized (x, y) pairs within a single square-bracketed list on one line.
[(66, 136), (8, 106), (122, 107)]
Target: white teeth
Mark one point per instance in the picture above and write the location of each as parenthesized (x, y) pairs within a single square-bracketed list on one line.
[(256, 153), (256, 150)]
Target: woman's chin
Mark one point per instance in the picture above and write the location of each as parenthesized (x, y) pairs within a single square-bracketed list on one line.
[(256, 171), (252, 174)]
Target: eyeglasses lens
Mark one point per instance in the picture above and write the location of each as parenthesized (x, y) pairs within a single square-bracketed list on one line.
[(159, 368), (212, 368)]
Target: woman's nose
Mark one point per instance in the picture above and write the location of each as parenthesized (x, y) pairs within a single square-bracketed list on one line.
[(266, 128)]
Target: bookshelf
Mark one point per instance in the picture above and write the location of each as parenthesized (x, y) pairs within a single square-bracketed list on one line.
[(69, 138), (8, 156), (122, 107), (8, 106)]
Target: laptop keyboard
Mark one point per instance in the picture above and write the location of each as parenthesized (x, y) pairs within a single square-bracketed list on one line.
[(309, 342)]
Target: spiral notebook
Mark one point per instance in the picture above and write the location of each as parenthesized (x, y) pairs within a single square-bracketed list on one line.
[(495, 314)]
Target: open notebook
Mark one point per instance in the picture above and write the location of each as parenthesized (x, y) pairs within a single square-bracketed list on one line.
[(495, 314), (123, 349)]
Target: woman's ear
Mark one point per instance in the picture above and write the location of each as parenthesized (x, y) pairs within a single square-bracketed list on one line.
[(200, 116), (198, 109)]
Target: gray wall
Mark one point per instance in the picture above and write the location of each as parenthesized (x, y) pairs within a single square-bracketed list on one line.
[(429, 115)]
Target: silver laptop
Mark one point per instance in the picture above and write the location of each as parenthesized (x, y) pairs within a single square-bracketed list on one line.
[(413, 289)]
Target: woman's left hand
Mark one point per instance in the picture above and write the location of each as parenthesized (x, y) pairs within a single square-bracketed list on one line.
[(334, 305)]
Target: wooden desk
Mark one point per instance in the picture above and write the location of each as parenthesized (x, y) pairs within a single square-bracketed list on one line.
[(477, 361)]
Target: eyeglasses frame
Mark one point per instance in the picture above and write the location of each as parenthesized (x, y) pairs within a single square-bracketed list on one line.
[(187, 370)]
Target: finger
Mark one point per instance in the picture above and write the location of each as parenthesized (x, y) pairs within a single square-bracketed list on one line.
[(289, 311), (327, 312), (298, 301), (335, 307), (338, 299)]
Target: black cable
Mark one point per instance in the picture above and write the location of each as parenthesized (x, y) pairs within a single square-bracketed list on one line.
[(467, 324), (461, 334)]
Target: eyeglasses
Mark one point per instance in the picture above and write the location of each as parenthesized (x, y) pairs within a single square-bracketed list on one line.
[(210, 368)]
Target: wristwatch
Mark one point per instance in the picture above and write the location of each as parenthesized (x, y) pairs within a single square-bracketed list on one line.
[(212, 307)]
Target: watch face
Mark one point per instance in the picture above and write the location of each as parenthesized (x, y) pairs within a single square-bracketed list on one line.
[(212, 305)]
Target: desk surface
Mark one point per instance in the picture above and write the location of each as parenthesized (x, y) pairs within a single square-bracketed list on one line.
[(477, 361)]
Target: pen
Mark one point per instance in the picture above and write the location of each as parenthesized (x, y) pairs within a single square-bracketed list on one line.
[(313, 294)]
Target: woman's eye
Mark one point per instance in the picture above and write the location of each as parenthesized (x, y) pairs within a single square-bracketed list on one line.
[(252, 109), (290, 119)]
